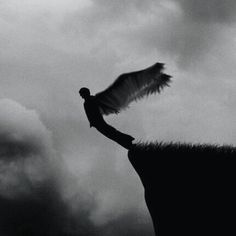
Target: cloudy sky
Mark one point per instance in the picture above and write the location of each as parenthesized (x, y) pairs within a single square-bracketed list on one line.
[(51, 48)]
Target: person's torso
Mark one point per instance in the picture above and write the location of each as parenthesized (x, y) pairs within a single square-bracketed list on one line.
[(92, 111)]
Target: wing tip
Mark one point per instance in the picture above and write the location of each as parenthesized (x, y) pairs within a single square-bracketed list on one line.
[(159, 65)]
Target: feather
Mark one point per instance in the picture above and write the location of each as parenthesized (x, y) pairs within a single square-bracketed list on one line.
[(131, 87)]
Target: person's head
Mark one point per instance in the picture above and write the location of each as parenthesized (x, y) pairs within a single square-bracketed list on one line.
[(84, 92)]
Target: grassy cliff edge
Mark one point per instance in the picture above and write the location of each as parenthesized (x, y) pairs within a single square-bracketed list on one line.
[(189, 189)]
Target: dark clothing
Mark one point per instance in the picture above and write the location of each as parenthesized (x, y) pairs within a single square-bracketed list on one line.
[(110, 132), (92, 111), (96, 120)]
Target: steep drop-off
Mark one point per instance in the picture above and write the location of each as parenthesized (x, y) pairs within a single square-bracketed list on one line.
[(189, 189)]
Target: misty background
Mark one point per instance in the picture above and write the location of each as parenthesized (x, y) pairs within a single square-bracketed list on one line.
[(48, 153)]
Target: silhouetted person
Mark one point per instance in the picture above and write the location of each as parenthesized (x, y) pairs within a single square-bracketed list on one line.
[(128, 87), (96, 120)]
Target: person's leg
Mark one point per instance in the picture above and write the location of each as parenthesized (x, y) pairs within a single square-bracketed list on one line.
[(110, 132)]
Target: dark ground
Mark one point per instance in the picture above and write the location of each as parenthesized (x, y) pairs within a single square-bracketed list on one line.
[(189, 189)]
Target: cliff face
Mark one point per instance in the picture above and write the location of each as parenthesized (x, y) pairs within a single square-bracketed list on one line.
[(189, 189)]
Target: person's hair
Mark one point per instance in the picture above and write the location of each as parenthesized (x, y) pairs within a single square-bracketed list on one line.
[(84, 91)]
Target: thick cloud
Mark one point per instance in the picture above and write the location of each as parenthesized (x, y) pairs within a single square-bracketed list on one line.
[(45, 213), (21, 129), (39, 197), (204, 26), (211, 11), (184, 32), (49, 49), (26, 151)]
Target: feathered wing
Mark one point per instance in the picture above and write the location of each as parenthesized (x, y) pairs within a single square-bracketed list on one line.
[(131, 87)]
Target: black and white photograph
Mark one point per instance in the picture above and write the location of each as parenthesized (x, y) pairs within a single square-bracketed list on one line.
[(117, 117)]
